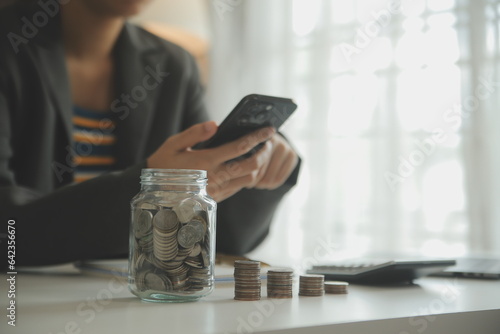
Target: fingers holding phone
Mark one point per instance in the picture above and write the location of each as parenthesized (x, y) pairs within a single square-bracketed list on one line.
[(268, 168), (244, 146), (231, 176), (282, 161), (224, 179)]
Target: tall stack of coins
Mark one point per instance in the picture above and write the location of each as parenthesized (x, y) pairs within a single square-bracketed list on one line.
[(279, 283), (311, 285), (171, 254), (336, 287), (247, 284)]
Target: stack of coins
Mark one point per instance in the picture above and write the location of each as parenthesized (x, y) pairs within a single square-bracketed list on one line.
[(165, 225), (311, 285), (199, 278), (336, 287), (247, 280), (170, 253), (279, 283), (143, 231)]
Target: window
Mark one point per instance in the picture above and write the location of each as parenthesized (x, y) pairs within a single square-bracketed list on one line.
[(396, 121)]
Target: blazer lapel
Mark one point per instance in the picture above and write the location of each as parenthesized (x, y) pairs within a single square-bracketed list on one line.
[(133, 107), (53, 65)]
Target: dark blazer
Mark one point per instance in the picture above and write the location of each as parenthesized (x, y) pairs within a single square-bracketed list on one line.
[(157, 95)]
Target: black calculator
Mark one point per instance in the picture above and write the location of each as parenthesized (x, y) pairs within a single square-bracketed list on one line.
[(380, 272)]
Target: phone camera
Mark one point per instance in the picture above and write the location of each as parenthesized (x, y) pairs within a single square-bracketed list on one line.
[(245, 120), (261, 117), (257, 115)]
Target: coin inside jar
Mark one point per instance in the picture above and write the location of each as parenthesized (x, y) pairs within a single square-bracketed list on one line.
[(200, 227), (155, 282), (143, 224), (196, 250), (165, 220), (187, 209), (187, 236)]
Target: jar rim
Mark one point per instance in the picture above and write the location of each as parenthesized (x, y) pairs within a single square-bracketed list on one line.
[(173, 176), (160, 171)]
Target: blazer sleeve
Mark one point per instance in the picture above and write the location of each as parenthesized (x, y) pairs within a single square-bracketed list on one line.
[(84, 221), (87, 220)]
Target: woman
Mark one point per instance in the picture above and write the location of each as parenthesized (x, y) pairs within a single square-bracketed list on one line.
[(86, 101)]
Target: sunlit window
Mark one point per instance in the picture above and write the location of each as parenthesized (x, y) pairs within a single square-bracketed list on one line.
[(381, 90)]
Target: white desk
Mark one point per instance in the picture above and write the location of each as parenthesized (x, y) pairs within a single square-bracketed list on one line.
[(74, 303)]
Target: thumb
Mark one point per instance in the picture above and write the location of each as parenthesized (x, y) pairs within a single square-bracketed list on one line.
[(193, 135)]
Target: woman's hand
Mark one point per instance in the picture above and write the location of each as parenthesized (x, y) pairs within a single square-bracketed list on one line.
[(281, 162), (268, 168)]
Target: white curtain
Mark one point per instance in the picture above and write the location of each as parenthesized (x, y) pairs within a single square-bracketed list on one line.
[(397, 122)]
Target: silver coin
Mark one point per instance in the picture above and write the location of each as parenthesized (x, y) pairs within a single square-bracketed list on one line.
[(187, 209), (148, 205), (195, 251), (143, 224), (205, 258), (146, 243), (168, 265), (247, 264), (187, 236), (142, 263), (200, 228), (139, 280), (199, 273), (154, 282), (336, 283), (165, 220), (280, 272), (182, 270)]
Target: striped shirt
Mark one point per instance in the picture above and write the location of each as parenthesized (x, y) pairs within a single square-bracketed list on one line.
[(94, 140)]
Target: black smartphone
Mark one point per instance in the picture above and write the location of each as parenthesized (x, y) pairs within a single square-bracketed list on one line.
[(253, 112)]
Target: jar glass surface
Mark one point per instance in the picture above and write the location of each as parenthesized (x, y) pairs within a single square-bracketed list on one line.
[(172, 236)]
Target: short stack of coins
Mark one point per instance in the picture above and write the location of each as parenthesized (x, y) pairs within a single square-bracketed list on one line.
[(336, 287), (171, 248), (312, 285), (279, 283), (247, 284)]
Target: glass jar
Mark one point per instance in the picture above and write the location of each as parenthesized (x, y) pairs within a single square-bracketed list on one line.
[(172, 236)]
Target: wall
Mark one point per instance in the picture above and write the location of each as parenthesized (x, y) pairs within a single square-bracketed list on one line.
[(191, 15)]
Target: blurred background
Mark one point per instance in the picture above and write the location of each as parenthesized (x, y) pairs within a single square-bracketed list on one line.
[(397, 125)]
